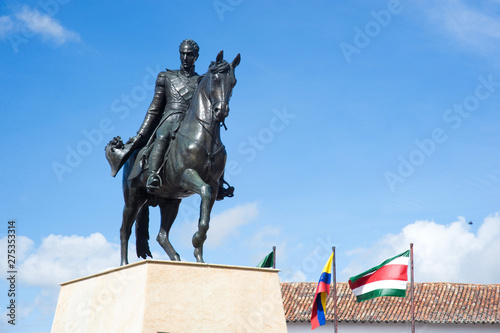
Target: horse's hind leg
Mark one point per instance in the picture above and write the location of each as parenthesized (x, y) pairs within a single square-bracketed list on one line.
[(193, 182), (168, 209), (133, 202), (129, 214)]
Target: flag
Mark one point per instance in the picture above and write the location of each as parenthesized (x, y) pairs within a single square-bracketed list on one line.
[(319, 303), (387, 279), (268, 261)]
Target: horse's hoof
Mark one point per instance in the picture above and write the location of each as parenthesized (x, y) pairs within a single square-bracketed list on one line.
[(198, 254), (175, 257)]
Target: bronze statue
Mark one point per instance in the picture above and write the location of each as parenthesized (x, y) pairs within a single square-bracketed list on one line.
[(183, 125), (173, 92)]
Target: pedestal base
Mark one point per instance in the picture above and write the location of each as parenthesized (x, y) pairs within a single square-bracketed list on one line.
[(164, 296)]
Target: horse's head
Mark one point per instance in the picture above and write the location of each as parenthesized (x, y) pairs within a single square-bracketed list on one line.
[(221, 83)]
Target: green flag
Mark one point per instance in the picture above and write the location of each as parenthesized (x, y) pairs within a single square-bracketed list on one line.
[(267, 262)]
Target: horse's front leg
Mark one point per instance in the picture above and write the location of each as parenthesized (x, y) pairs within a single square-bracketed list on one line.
[(192, 181)]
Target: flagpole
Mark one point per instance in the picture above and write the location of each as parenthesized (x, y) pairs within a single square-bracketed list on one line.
[(274, 256), (334, 291), (412, 291)]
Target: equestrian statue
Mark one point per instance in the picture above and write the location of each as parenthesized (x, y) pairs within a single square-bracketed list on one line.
[(177, 152)]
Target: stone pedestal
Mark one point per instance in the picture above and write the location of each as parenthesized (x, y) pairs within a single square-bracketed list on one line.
[(154, 296)]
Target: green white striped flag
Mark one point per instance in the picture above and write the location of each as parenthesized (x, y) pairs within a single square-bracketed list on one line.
[(387, 279)]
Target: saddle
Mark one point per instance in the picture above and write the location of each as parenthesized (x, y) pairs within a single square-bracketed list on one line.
[(141, 162)]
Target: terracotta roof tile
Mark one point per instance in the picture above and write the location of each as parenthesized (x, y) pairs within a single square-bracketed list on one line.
[(437, 302)]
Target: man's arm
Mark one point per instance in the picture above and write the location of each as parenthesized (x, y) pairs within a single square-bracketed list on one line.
[(155, 109)]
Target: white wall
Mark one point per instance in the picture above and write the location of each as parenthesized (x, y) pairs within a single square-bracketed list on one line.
[(394, 328)]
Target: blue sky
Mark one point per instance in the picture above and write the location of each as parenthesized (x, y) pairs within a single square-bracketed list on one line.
[(355, 124)]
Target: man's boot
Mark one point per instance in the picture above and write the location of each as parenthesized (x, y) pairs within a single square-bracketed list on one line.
[(155, 161)]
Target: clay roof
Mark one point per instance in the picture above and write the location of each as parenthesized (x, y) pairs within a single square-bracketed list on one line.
[(435, 303)]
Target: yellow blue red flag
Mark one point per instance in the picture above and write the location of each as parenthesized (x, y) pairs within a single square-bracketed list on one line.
[(323, 289)]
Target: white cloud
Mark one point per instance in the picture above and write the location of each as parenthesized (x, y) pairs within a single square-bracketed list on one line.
[(313, 256), (223, 225), (41, 306), (262, 241), (23, 245), (57, 259), (442, 253), (62, 258), (476, 27), (290, 275), (30, 22), (6, 26), (264, 238)]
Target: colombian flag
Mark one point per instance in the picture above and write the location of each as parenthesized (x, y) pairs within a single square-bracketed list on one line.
[(319, 303)]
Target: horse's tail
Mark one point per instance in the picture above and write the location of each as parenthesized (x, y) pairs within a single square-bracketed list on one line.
[(142, 233)]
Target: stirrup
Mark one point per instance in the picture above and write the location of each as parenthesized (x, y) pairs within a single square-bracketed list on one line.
[(225, 192), (154, 182)]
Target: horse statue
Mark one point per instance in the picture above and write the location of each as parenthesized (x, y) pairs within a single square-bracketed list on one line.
[(195, 161)]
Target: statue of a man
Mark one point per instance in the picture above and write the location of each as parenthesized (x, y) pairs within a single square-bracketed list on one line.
[(173, 92)]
